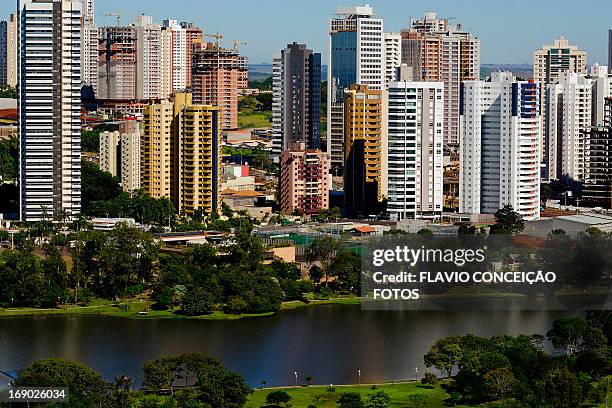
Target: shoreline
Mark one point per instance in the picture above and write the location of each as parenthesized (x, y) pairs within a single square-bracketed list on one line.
[(112, 309), (135, 308)]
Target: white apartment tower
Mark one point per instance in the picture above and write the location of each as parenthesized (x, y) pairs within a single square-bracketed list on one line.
[(393, 56), (49, 108), (415, 157), (357, 56), (500, 151), (569, 115), (178, 38), (601, 80), (89, 44), (149, 54)]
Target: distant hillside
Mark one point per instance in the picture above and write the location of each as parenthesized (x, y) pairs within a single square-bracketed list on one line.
[(524, 71), (259, 72)]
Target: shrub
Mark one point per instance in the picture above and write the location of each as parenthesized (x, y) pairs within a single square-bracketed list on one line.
[(429, 378)]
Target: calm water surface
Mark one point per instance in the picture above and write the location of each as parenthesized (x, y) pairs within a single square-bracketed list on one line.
[(329, 343)]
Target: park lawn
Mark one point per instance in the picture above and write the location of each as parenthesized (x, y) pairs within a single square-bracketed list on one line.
[(321, 397), (248, 118), (132, 308)]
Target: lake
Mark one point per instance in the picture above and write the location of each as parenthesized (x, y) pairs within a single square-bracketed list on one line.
[(329, 343)]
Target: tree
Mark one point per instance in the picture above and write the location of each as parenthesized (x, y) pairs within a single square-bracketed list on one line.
[(379, 399), (197, 301), (562, 388), (308, 379), (322, 250), (500, 382), (507, 221), (545, 192), (566, 334), (444, 354), (346, 266), (87, 388), (418, 400), (350, 400), (278, 397)]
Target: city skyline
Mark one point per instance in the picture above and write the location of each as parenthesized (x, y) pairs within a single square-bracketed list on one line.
[(242, 22)]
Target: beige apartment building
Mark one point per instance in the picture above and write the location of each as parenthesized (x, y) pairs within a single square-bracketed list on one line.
[(363, 149), (181, 156)]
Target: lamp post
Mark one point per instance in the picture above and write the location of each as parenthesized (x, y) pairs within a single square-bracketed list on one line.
[(416, 373), (359, 381), (296, 375)]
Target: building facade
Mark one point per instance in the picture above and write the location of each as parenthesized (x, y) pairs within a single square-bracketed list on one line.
[(415, 149), (181, 156), (120, 154), (296, 113), (149, 81), (393, 57), (569, 115), (89, 44), (500, 153), (364, 180), (356, 56), (49, 108), (8, 51), (551, 61), (217, 75), (441, 52), (158, 148), (117, 70), (304, 180)]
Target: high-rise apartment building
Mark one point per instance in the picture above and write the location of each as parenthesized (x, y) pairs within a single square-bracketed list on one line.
[(597, 187), (601, 80), (296, 105), (415, 149), (500, 152), (217, 75), (159, 148), (149, 81), (193, 39), (178, 41), (393, 57), (117, 70), (551, 61), (356, 56), (49, 108), (364, 181), (89, 46), (549, 65), (8, 51), (569, 104), (304, 180), (120, 154), (181, 154), (441, 52)]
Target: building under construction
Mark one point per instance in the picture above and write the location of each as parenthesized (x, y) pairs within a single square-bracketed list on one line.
[(117, 63), (217, 75)]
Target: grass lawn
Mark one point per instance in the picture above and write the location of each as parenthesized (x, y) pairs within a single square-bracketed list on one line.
[(132, 309), (321, 397), (248, 119)]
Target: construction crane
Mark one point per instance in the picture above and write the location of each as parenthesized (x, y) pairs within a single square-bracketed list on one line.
[(237, 43), (115, 14), (218, 37)]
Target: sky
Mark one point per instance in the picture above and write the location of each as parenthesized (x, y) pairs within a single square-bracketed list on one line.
[(509, 30)]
